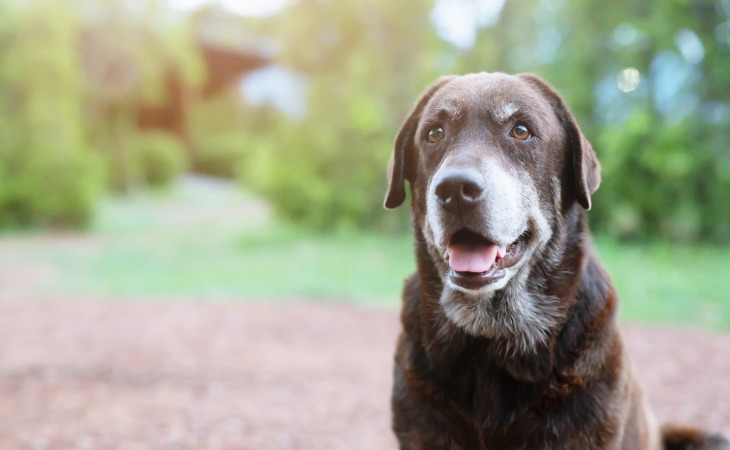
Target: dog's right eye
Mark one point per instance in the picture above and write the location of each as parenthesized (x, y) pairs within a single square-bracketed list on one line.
[(520, 132), (435, 135)]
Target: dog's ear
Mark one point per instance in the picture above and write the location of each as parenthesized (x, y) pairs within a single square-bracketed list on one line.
[(401, 165), (586, 168)]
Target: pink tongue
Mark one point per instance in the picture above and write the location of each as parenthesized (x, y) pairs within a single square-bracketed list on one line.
[(472, 258)]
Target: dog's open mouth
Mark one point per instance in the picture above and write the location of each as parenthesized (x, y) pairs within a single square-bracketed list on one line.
[(476, 262)]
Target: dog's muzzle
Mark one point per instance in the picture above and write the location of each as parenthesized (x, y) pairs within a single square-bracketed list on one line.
[(475, 260)]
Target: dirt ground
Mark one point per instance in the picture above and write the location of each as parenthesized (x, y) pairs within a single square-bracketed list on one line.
[(298, 375)]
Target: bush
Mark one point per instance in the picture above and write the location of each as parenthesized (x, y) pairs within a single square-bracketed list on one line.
[(663, 146), (662, 180), (48, 176), (47, 188), (221, 154), (159, 157), (324, 178)]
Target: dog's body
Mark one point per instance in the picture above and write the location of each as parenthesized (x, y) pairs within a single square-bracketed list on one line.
[(509, 338)]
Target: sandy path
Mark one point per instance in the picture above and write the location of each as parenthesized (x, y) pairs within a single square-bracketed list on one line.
[(183, 375)]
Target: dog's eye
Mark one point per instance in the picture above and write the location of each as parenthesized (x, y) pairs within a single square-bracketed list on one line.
[(436, 134), (520, 132)]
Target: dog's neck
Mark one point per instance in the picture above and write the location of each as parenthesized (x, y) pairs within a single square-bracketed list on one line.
[(554, 329)]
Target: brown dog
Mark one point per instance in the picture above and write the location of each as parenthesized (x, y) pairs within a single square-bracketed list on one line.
[(509, 336)]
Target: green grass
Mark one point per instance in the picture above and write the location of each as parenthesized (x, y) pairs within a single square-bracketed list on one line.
[(136, 251), (276, 263), (670, 283)]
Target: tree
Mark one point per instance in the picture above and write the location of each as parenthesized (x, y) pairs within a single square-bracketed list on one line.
[(364, 65), (130, 54), (47, 173), (662, 141)]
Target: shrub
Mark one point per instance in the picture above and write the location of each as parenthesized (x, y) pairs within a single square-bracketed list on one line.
[(47, 188), (662, 180), (220, 154), (325, 178), (159, 157)]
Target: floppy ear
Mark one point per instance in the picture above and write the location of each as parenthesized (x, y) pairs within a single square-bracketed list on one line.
[(400, 167), (586, 168)]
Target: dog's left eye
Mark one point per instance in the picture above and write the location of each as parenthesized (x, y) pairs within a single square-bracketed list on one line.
[(436, 134), (520, 132)]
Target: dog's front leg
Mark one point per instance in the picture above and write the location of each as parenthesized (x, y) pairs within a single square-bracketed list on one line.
[(422, 416), (416, 424)]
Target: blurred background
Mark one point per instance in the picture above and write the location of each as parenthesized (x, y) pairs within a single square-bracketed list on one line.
[(236, 149), (191, 204)]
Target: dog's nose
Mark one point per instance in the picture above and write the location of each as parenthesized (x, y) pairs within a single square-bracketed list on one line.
[(463, 187)]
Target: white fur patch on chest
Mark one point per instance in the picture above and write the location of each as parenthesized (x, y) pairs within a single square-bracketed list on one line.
[(519, 317)]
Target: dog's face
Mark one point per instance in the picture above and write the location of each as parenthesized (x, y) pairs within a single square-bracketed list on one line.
[(494, 161)]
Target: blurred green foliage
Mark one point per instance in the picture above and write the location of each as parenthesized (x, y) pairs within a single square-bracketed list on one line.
[(159, 157), (365, 63), (48, 176), (75, 72), (71, 76), (130, 52), (221, 133), (664, 145)]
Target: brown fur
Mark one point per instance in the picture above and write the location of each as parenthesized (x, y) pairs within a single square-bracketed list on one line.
[(455, 389)]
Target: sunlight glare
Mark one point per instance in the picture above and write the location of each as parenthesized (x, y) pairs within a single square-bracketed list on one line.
[(628, 79), (458, 21), (187, 5), (254, 7), (239, 7)]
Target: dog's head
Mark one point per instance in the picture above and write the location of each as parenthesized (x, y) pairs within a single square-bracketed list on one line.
[(494, 163)]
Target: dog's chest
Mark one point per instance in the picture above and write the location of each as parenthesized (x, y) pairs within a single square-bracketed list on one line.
[(507, 413)]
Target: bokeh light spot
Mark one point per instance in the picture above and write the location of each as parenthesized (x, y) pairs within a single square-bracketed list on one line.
[(628, 79)]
